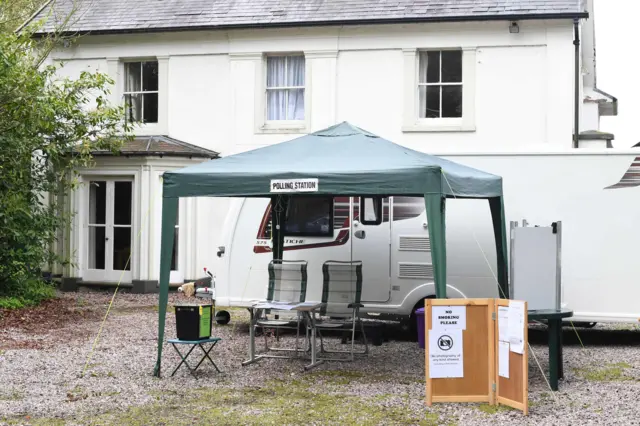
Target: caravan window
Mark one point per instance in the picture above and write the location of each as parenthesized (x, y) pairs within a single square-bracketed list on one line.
[(371, 210), (310, 217)]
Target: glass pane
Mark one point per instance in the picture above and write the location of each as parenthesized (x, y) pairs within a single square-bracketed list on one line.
[(433, 67), (429, 101), (149, 76), (295, 104), (295, 71), (132, 76), (150, 108), (97, 202), (276, 71), (174, 255), (96, 247), (309, 216), (370, 212), (452, 101), (133, 107), (451, 67), (276, 104), (122, 203), (121, 249), (422, 67)]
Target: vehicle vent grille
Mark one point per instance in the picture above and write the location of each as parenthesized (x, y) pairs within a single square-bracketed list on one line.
[(415, 270), (415, 244)]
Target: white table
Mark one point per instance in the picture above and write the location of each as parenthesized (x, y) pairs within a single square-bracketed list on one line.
[(307, 310)]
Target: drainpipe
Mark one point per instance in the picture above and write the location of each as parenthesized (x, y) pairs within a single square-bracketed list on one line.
[(576, 107)]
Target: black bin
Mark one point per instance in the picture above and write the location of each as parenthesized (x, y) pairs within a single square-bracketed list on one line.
[(193, 322)]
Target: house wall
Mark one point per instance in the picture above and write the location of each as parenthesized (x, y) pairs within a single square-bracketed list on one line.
[(212, 95)]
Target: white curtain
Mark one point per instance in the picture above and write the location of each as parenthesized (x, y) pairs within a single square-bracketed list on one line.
[(133, 83), (422, 78), (284, 100)]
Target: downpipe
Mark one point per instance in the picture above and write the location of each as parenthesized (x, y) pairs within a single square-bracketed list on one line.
[(576, 83)]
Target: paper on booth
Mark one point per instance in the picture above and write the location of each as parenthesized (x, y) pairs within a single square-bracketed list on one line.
[(445, 354), (503, 323), (516, 326), (503, 359), (448, 317)]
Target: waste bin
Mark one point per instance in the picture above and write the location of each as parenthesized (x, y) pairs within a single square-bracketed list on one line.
[(193, 321), (420, 319)]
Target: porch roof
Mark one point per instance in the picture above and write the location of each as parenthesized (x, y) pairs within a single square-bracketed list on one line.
[(160, 145)]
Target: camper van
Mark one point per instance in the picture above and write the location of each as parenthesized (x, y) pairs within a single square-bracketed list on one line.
[(595, 194)]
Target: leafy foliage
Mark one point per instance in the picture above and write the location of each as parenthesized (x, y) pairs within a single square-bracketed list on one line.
[(14, 13), (49, 126)]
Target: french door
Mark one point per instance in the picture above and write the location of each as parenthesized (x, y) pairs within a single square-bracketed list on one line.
[(109, 224)]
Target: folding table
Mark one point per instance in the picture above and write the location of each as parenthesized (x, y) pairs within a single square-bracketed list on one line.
[(194, 343), (307, 309)]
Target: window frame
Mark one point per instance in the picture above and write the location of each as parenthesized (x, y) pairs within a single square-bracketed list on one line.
[(261, 124), (141, 92), (330, 231), (440, 83), (286, 88), (377, 201), (411, 112)]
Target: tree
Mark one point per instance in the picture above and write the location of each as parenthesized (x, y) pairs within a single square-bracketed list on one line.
[(48, 128), (14, 13)]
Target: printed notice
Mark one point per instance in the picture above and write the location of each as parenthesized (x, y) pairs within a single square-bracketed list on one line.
[(445, 354), (448, 317), (294, 185), (503, 323), (503, 359), (516, 326)]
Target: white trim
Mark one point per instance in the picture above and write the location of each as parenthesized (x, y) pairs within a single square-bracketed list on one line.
[(411, 120)]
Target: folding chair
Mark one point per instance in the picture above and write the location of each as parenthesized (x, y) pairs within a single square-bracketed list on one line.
[(341, 292), (287, 285)]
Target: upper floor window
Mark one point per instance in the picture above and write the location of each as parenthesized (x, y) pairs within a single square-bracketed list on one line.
[(440, 84), (141, 91), (285, 88)]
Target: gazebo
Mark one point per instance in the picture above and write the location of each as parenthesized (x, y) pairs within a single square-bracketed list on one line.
[(342, 160)]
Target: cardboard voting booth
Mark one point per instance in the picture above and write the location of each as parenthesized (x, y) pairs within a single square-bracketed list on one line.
[(477, 351)]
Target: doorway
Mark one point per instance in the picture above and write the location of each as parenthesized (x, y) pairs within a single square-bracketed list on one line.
[(109, 229)]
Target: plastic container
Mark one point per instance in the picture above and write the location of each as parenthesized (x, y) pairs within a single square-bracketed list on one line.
[(193, 322), (420, 319)]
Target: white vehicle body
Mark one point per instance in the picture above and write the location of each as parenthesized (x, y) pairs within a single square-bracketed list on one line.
[(593, 193)]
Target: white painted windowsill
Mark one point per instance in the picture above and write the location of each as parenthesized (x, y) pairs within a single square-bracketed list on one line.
[(285, 127), (415, 128)]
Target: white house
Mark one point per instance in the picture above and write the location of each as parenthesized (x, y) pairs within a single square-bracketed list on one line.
[(232, 75)]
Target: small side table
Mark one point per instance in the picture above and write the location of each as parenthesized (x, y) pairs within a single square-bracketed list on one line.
[(194, 343), (554, 332)]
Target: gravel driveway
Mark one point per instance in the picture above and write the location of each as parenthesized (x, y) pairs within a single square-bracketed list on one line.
[(42, 356)]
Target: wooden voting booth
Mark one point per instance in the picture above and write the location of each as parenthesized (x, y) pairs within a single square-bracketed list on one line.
[(475, 370)]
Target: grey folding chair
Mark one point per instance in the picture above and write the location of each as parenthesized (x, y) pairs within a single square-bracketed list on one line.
[(341, 292), (287, 285)]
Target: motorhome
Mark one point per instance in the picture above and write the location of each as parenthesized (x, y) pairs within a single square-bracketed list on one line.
[(593, 192)]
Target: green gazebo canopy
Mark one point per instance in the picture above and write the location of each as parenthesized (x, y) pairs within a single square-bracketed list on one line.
[(341, 160)]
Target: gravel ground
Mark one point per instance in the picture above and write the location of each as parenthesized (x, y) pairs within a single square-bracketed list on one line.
[(41, 383)]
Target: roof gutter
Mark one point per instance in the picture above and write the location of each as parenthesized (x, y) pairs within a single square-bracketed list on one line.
[(489, 18), (212, 156)]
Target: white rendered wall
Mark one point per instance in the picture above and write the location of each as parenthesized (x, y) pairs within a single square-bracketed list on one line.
[(522, 92)]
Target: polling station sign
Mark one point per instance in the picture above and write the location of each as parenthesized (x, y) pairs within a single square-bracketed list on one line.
[(294, 185), (449, 318)]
